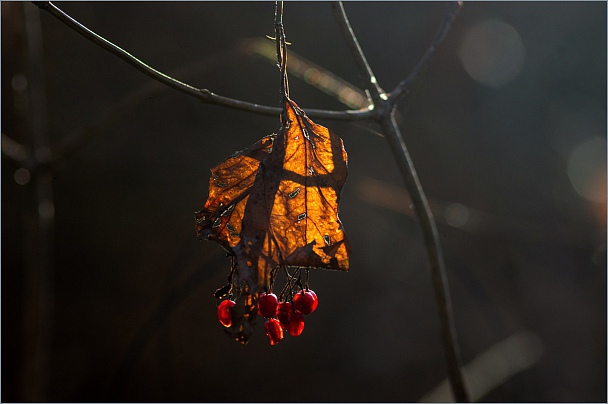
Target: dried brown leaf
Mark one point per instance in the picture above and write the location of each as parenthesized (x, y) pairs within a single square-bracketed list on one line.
[(276, 204)]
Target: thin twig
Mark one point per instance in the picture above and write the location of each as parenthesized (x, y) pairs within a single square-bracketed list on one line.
[(384, 109), (404, 85), (279, 39), (201, 94), (365, 70)]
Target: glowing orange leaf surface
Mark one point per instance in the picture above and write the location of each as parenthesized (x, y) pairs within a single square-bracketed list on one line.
[(276, 203)]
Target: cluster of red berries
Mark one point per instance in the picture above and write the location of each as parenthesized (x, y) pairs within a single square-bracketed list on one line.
[(281, 316), (286, 316)]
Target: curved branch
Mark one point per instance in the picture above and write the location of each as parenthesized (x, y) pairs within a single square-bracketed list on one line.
[(435, 256), (201, 94), (360, 60), (404, 85), (384, 113)]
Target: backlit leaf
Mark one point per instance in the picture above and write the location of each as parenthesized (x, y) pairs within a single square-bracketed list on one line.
[(276, 204)]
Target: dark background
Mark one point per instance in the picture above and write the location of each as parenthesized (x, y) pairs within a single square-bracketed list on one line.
[(126, 303)]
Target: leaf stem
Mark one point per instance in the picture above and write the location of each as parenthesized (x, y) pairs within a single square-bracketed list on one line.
[(279, 39)]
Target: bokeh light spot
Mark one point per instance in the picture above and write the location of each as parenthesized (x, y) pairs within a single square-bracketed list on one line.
[(493, 53), (22, 176), (46, 209), (456, 215), (587, 169)]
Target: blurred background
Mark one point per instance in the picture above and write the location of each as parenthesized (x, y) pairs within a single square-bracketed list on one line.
[(107, 294)]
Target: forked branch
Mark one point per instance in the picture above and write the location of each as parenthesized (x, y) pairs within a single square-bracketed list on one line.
[(384, 113), (381, 111)]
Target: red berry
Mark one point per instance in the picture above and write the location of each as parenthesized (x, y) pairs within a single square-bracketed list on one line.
[(296, 323), (316, 299), (223, 312), (283, 310), (274, 331), (305, 301), (267, 305)]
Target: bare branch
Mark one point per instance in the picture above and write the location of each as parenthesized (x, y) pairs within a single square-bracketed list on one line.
[(384, 113), (364, 68), (201, 94), (435, 256), (402, 87), (80, 137)]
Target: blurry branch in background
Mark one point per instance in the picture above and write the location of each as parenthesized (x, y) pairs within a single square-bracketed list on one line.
[(467, 218), (311, 73), (493, 367), (39, 225), (79, 138), (73, 142), (15, 150), (158, 320)]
